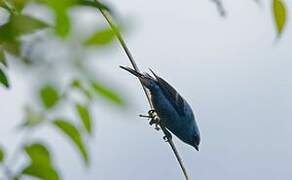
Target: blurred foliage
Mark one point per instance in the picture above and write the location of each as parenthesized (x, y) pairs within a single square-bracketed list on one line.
[(71, 131), (53, 94), (40, 165), (49, 96), (107, 93), (3, 79), (279, 10), (85, 117), (280, 14), (102, 37), (1, 155)]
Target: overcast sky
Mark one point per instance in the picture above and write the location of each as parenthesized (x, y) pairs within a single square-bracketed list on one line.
[(232, 71)]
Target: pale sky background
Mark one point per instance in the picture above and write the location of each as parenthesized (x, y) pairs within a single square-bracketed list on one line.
[(232, 71)]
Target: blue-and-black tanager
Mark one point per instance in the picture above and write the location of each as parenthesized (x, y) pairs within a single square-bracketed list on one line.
[(173, 111)]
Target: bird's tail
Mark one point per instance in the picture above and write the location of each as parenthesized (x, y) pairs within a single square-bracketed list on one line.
[(145, 79), (132, 71)]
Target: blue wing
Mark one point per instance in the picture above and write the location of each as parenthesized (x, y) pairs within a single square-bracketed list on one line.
[(171, 94)]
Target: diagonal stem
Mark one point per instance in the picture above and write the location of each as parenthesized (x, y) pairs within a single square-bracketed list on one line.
[(111, 23), (172, 145), (108, 18), (220, 7)]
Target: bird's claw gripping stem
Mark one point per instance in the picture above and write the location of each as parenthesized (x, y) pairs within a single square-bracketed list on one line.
[(167, 136), (154, 119)]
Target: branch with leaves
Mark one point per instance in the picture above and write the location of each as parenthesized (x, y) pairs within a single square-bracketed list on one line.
[(53, 95)]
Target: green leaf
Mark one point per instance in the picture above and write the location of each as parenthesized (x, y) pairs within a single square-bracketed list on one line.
[(7, 32), (73, 133), (18, 4), (57, 4), (38, 154), (2, 155), (76, 84), (102, 37), (42, 172), (49, 96), (19, 25), (13, 47), (14, 6), (280, 12), (63, 24), (85, 117), (107, 93), (62, 19), (3, 79), (23, 24), (40, 165), (7, 5), (2, 58)]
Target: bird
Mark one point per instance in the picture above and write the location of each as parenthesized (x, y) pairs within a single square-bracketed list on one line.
[(174, 113)]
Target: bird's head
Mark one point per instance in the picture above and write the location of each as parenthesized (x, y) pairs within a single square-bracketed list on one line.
[(196, 141)]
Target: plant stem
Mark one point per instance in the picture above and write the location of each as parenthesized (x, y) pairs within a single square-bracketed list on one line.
[(108, 18), (111, 23), (220, 7)]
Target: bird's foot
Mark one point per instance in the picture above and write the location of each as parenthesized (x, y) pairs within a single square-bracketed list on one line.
[(144, 116), (165, 138), (168, 136), (153, 117)]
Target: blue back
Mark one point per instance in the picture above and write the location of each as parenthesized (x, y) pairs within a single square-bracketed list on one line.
[(174, 112)]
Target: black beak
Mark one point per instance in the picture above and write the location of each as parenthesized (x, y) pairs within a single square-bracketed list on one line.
[(197, 148)]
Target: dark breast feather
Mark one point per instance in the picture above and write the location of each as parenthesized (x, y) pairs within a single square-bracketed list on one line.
[(172, 95)]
